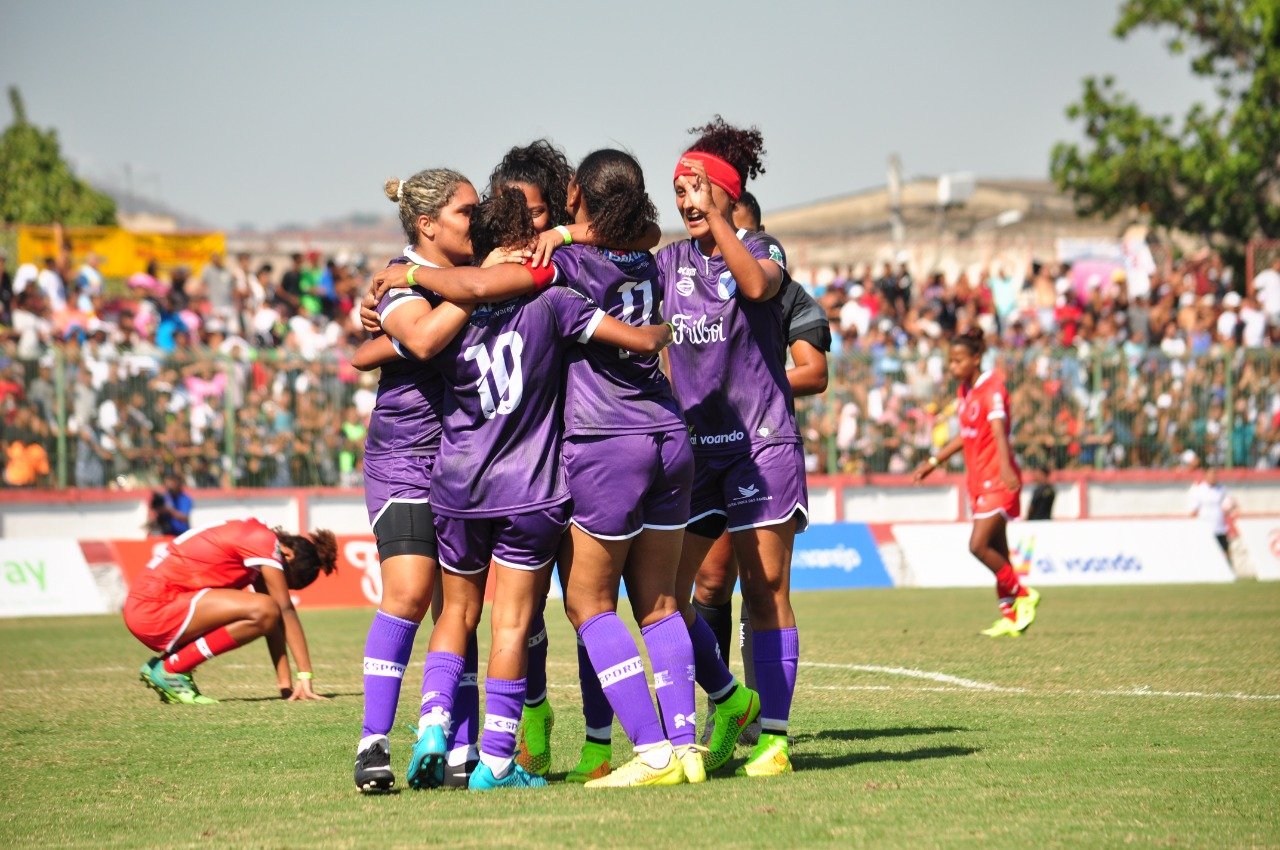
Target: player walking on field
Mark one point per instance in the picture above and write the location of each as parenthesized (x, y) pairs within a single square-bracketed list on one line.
[(191, 606), (728, 367), (991, 477)]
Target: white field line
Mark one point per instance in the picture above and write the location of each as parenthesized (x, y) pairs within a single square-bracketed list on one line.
[(967, 684)]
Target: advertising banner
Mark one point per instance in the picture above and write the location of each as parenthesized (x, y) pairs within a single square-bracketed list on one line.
[(1069, 552), (41, 577), (836, 556), (1261, 538), (123, 252)]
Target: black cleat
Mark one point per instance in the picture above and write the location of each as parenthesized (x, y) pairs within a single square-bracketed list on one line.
[(373, 768), (458, 775)]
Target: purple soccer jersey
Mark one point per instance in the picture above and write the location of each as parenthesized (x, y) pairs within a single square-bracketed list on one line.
[(729, 354), (405, 426), (500, 451), (608, 390)]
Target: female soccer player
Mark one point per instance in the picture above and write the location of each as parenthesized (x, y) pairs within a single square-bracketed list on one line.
[(404, 436), (498, 493), (808, 341), (190, 605), (727, 365), (991, 476)]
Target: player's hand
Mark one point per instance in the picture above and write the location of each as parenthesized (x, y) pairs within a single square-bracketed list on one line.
[(922, 471), (1009, 479), (302, 691), (498, 256), (546, 245), (697, 189), (394, 276), (369, 313)]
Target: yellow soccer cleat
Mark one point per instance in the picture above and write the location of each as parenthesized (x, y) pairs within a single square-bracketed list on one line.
[(770, 757), (1003, 627), (690, 756), (1024, 609), (638, 772)]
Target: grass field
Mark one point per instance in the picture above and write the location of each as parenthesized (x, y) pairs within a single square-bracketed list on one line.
[(1127, 716)]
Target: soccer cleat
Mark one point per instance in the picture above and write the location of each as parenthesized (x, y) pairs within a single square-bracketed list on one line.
[(690, 756), (1003, 627), (426, 764), (637, 772), (458, 775), (533, 740), (373, 767), (198, 698), (482, 779), (751, 734), (709, 724), (770, 757), (593, 764), (1024, 609), (731, 717), (172, 687)]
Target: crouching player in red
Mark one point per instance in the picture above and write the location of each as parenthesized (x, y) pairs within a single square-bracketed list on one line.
[(992, 478), (190, 605)]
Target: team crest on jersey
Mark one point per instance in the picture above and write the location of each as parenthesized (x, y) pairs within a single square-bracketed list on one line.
[(726, 286), (775, 254), (685, 286), (970, 412)]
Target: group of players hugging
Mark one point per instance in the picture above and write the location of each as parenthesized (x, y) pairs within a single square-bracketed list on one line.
[(525, 424)]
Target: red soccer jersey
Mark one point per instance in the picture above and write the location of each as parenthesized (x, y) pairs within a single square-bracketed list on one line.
[(230, 554), (984, 407)]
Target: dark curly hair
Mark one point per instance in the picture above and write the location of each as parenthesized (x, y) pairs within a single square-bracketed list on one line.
[(751, 205), (743, 149), (612, 186), (501, 220), (540, 164), (312, 556), (974, 340)]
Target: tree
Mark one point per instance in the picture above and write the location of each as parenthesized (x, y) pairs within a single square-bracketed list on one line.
[(37, 186), (1217, 174)]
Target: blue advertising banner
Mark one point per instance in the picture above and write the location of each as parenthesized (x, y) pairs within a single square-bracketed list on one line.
[(837, 556)]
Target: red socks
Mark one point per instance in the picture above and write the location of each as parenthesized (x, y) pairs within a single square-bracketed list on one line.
[(200, 650), (1008, 587)]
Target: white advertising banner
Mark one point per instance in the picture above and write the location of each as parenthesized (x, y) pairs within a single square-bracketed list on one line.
[(40, 577), (1060, 552), (1261, 538)]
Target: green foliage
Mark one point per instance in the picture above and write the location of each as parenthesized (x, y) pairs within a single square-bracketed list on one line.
[(37, 185), (1217, 173)]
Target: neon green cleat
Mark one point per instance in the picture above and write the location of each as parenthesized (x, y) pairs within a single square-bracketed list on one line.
[(1003, 627), (593, 764), (533, 740), (638, 772), (695, 769), (172, 687), (731, 717), (1024, 608), (770, 757)]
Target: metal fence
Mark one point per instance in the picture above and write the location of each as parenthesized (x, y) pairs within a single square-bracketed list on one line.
[(92, 418), (1111, 408)]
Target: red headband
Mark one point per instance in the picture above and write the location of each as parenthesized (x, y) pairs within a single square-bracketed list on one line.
[(719, 172)]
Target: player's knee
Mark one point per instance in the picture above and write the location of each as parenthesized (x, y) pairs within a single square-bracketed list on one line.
[(977, 548), (661, 609), (582, 607), (265, 615), (715, 587), (405, 604)]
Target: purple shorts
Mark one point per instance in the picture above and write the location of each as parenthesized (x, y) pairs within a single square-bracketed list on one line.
[(622, 484), (391, 478), (520, 541), (766, 486)]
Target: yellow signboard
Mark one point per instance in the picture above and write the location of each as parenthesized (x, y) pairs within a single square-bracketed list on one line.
[(123, 252)]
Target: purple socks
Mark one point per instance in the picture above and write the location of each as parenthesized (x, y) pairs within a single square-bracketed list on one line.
[(712, 674), (620, 672), (440, 677), (466, 703), (536, 668), (597, 714), (776, 655), (503, 702), (671, 654), (386, 654)]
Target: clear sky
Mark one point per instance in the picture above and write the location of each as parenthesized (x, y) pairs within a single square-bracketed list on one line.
[(271, 112)]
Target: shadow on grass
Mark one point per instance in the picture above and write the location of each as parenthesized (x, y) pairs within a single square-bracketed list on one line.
[(330, 695), (804, 761), (872, 734)]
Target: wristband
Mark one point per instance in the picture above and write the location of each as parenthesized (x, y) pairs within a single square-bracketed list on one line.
[(673, 329), (564, 233), (933, 461), (409, 275), (305, 677)]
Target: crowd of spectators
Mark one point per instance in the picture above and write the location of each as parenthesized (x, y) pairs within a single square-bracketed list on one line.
[(1180, 368), (237, 374)]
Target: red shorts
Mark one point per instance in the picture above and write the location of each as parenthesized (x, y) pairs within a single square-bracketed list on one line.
[(157, 614), (994, 502)]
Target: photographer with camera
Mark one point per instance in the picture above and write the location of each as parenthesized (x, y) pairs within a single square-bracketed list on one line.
[(169, 512)]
